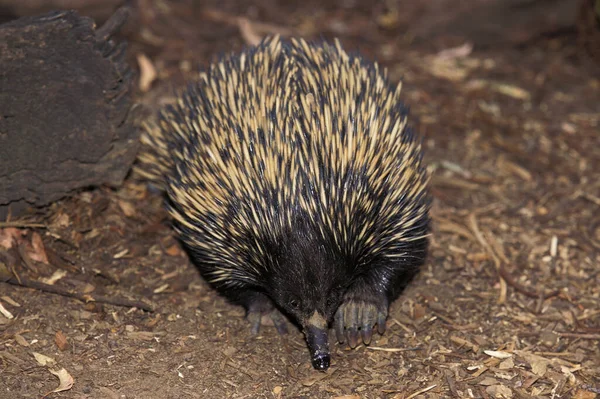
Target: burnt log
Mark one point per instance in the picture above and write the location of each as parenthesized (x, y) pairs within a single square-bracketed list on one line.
[(65, 101), (100, 10)]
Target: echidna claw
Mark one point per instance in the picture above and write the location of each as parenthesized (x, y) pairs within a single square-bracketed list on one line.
[(255, 317), (279, 322), (354, 322)]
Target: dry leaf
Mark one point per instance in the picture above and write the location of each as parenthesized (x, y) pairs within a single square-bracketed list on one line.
[(66, 381), (539, 365), (10, 236), (20, 340), (499, 391), (62, 220), (507, 364), (147, 73), (38, 252), (127, 208), (43, 360), (61, 340), (488, 381), (498, 354), (57, 275), (88, 288), (11, 301)]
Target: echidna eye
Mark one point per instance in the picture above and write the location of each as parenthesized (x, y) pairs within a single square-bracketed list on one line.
[(294, 304)]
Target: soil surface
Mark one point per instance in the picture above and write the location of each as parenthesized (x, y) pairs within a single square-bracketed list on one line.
[(507, 304)]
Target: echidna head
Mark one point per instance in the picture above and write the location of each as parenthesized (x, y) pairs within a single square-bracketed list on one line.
[(308, 284)]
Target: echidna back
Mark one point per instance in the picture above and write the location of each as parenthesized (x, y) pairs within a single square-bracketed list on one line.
[(284, 129)]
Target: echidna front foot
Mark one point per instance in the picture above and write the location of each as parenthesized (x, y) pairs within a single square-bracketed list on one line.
[(356, 317), (259, 305)]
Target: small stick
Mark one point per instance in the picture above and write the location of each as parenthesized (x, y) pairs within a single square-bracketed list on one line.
[(523, 290), (17, 223), (451, 384), (54, 289), (429, 388), (379, 348)]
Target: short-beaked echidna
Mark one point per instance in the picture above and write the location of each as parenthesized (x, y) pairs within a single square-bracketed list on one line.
[(296, 186)]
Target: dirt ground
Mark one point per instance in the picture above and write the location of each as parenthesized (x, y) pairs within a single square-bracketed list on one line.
[(507, 305)]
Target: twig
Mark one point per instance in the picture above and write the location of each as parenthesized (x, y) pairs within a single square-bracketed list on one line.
[(524, 290), (54, 289), (429, 388), (17, 223), (379, 348), (451, 384)]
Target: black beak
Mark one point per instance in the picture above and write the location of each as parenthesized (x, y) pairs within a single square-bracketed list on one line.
[(318, 344)]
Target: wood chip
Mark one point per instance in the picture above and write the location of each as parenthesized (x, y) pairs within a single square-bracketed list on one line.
[(498, 354), (57, 275), (12, 302), (20, 340), (5, 312), (464, 342)]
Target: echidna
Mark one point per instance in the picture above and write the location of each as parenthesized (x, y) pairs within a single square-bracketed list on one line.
[(296, 186)]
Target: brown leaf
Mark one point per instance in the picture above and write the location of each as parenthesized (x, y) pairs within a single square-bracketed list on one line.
[(60, 340), (10, 236), (127, 208), (38, 252), (173, 250), (538, 364), (20, 340)]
